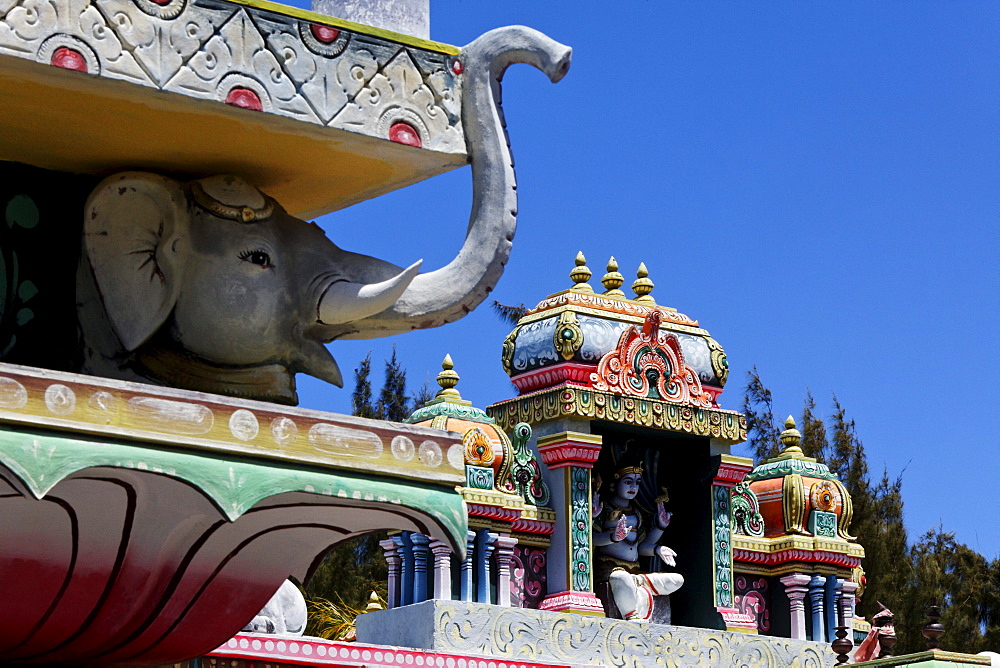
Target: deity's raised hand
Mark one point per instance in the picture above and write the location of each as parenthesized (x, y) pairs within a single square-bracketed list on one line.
[(622, 530), (666, 554), (662, 516), (596, 506)]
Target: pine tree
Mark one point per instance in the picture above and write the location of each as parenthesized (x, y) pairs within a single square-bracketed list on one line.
[(393, 404), (763, 437), (361, 398), (814, 442)]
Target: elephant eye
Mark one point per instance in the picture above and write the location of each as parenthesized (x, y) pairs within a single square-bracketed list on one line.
[(257, 257)]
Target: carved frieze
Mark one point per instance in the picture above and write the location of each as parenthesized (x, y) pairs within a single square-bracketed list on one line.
[(319, 71)]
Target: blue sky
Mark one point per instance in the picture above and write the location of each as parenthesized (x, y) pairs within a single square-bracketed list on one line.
[(817, 183)]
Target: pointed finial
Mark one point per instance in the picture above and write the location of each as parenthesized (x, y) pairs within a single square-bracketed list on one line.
[(613, 280), (448, 379), (643, 286), (790, 438), (580, 275), (374, 605)]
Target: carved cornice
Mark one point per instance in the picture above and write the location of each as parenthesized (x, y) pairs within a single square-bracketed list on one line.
[(603, 305), (196, 422), (732, 470), (569, 401), (272, 59), (569, 449)]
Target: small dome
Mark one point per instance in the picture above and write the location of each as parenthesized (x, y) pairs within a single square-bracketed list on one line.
[(565, 337), (798, 495)]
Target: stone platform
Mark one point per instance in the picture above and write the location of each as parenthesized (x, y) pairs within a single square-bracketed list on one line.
[(549, 637)]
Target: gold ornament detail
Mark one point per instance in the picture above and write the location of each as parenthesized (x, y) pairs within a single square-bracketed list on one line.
[(846, 513), (581, 274), (478, 449), (507, 354), (241, 214), (568, 337), (613, 280), (793, 503), (720, 363), (448, 379), (823, 496), (643, 286)]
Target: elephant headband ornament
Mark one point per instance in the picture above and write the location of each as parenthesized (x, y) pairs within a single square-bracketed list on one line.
[(230, 188)]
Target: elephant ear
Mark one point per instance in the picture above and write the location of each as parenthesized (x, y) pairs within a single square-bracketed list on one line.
[(134, 231)]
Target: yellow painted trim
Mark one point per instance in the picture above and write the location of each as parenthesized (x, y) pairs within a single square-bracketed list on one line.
[(740, 629), (314, 17), (736, 461), (930, 655), (571, 437)]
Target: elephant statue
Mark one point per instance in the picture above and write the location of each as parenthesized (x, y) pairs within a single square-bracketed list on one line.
[(284, 614), (210, 285)]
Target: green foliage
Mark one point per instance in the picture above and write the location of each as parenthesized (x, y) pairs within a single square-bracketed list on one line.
[(509, 314), (763, 437), (814, 442), (934, 570), (336, 621), (393, 404), (361, 398)]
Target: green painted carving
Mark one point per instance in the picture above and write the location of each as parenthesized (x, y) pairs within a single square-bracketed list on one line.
[(479, 477), (723, 551), (580, 531), (747, 519), (235, 485), (525, 477), (822, 523), (783, 467), (448, 409)]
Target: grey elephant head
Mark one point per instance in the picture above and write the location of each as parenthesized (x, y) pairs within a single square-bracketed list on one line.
[(211, 285)]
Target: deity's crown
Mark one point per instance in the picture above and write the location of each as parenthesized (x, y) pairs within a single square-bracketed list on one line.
[(629, 470)]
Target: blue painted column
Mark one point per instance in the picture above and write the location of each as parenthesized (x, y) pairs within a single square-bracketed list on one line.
[(817, 585), (470, 548), (484, 550), (830, 599), (406, 567), (421, 555)]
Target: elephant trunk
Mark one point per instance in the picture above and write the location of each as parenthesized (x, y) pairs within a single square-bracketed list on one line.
[(447, 294)]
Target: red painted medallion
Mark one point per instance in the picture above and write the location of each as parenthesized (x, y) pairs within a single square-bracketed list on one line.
[(68, 59), (324, 34), (404, 133), (245, 98)]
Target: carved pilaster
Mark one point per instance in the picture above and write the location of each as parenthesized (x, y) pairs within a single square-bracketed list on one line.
[(816, 591), (796, 587), (504, 553), (847, 598), (421, 555), (570, 456), (485, 540), (442, 570), (466, 582), (392, 560)]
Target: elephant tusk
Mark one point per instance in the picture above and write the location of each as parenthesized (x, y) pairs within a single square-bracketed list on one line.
[(345, 302)]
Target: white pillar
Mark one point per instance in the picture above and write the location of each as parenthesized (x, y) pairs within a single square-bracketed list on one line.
[(847, 605), (796, 587), (442, 570), (504, 553)]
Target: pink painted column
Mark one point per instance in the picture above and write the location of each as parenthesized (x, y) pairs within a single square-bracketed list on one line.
[(503, 555), (570, 456), (796, 587), (847, 590)]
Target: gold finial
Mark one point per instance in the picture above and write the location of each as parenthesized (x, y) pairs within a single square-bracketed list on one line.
[(643, 286), (613, 280), (374, 605), (448, 379), (581, 274), (790, 438)]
